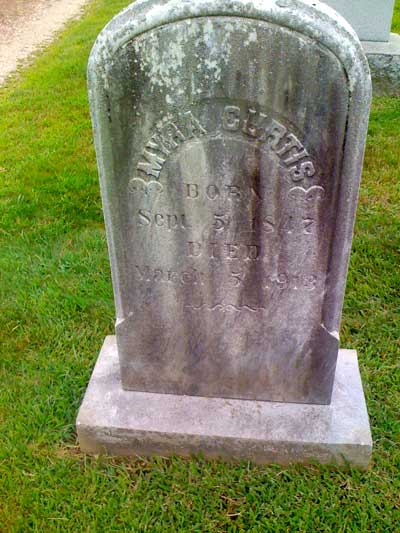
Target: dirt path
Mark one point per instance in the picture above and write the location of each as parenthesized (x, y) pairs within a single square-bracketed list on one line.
[(25, 25)]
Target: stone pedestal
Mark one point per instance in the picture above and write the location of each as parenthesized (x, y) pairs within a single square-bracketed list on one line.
[(119, 422)]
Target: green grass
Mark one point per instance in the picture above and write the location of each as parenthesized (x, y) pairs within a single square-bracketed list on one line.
[(56, 307), (396, 17)]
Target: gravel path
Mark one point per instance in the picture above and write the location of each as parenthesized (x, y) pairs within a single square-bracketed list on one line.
[(25, 25)]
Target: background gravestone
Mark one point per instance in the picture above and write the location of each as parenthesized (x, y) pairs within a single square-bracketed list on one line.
[(371, 19), (229, 138)]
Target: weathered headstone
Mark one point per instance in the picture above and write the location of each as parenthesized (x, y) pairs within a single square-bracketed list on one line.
[(230, 137)]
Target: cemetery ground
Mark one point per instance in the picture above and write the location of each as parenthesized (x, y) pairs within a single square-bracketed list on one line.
[(56, 307)]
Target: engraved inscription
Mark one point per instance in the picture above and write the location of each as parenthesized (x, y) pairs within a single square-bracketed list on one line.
[(169, 276), (221, 251), (297, 282), (230, 226), (220, 223), (267, 130), (195, 191), (146, 218), (192, 276), (142, 187), (172, 132), (307, 197), (169, 135), (224, 308)]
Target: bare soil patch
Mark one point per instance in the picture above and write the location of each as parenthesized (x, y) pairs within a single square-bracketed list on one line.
[(26, 25)]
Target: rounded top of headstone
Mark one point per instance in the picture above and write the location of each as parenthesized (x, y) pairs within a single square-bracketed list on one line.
[(311, 18)]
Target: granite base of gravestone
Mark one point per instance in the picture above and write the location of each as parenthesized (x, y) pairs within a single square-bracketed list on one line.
[(115, 421), (230, 139)]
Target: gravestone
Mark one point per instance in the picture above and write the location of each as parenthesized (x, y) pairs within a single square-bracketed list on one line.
[(229, 138), (371, 19)]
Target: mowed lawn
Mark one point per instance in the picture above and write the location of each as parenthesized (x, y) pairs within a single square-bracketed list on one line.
[(56, 307)]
